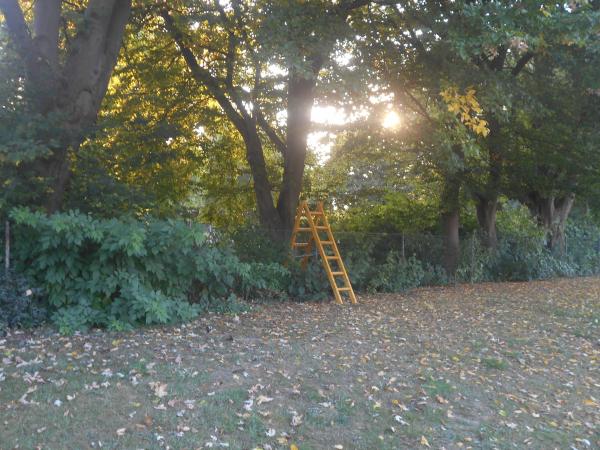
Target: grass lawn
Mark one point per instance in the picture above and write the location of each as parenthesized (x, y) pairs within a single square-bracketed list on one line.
[(510, 365)]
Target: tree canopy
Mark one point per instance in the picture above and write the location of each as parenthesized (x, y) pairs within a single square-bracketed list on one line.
[(226, 112)]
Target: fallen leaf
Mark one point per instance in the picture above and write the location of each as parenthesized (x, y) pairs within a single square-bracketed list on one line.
[(147, 420), (160, 389), (263, 399), (296, 420)]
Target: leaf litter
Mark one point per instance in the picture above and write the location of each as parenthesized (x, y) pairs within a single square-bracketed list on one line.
[(487, 365)]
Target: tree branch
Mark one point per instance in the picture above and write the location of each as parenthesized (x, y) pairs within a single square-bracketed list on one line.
[(231, 45), (18, 29), (113, 44), (46, 24), (521, 63), (498, 62), (420, 108), (88, 46), (271, 133), (202, 75)]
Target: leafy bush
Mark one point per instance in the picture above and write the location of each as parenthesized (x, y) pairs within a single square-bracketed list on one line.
[(19, 302), (120, 273), (358, 255), (522, 253), (253, 244), (273, 275), (308, 284), (275, 281), (398, 275), (583, 245), (434, 275), (266, 281)]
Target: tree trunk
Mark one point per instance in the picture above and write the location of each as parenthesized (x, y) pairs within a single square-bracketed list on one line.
[(552, 214), (562, 210), (300, 102), (60, 176), (487, 201), (450, 222), (486, 216), (267, 214), (73, 91)]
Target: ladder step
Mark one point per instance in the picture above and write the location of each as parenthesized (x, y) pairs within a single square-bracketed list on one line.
[(315, 222)]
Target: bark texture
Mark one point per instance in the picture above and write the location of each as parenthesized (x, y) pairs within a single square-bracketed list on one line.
[(487, 198), (552, 213), (486, 217), (450, 222), (300, 100)]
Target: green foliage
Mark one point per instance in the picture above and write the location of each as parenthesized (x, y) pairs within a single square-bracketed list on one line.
[(308, 284), (25, 135), (397, 274), (266, 281), (434, 275), (290, 281), (358, 253), (273, 274), (523, 254), (252, 243), (118, 273), (583, 245), (19, 302)]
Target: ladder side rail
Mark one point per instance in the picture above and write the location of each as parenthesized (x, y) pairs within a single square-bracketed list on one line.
[(296, 226), (337, 253), (338, 297)]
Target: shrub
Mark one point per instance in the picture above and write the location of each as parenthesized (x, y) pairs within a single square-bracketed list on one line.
[(273, 275), (120, 273), (274, 281), (19, 302), (253, 244), (308, 284), (522, 253), (475, 261), (265, 281), (398, 275), (358, 254), (434, 275), (583, 245)]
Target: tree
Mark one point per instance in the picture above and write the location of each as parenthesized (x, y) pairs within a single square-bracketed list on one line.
[(261, 62), (555, 157), (413, 63), (68, 53)]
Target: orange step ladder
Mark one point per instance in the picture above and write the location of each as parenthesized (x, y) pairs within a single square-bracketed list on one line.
[(315, 224)]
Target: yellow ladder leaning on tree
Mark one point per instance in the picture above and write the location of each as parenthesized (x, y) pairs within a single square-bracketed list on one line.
[(315, 223)]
